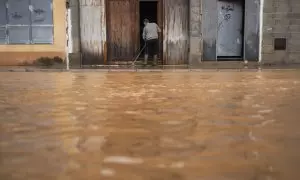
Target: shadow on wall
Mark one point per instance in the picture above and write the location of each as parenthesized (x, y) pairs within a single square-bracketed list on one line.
[(252, 47), (209, 50)]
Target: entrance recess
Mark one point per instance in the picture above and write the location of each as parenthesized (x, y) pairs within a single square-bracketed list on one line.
[(230, 30), (148, 9)]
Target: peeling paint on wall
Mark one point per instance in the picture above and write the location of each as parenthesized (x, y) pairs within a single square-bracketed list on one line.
[(209, 29), (93, 31), (252, 16), (176, 31)]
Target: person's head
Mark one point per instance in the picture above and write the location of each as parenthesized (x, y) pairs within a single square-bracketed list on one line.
[(146, 21)]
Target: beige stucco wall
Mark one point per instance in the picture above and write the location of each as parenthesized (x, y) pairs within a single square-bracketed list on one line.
[(18, 54)]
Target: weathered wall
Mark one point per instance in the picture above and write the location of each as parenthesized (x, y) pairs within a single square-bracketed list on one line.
[(19, 54), (251, 33), (210, 26), (196, 41), (176, 32), (281, 20), (209, 29), (74, 37), (93, 31)]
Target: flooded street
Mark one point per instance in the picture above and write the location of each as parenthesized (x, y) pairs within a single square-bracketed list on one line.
[(150, 126)]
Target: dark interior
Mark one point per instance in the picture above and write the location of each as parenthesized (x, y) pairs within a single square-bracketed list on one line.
[(279, 44), (148, 9)]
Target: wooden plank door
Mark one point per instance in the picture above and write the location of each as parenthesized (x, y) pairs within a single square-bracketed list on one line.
[(122, 29), (176, 31), (92, 32)]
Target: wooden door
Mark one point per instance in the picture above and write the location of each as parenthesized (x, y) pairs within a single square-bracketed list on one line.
[(92, 32), (176, 32), (122, 29)]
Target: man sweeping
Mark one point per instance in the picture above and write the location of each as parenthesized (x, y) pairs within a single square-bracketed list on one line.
[(150, 36)]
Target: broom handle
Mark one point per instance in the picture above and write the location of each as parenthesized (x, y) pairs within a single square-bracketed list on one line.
[(139, 54)]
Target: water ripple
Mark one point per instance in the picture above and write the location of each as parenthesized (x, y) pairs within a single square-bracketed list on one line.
[(146, 126)]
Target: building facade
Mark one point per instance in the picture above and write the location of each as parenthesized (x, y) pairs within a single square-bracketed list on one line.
[(281, 32), (30, 29), (194, 31)]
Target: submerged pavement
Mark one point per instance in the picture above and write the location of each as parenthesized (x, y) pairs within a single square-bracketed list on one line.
[(150, 125)]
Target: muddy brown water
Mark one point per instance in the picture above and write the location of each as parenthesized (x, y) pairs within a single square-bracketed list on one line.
[(150, 126)]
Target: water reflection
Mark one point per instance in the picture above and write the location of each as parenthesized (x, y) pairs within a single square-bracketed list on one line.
[(217, 125)]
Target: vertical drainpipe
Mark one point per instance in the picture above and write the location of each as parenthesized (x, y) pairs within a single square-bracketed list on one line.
[(261, 24)]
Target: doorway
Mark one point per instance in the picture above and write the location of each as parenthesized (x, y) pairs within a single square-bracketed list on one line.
[(149, 10), (230, 31)]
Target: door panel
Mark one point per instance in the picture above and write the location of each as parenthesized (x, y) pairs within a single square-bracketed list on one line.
[(122, 29), (230, 28), (92, 32), (176, 32)]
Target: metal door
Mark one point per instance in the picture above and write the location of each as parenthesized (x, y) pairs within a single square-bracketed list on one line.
[(230, 28)]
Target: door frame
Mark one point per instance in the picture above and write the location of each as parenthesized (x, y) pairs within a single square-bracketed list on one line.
[(242, 57), (160, 23)]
